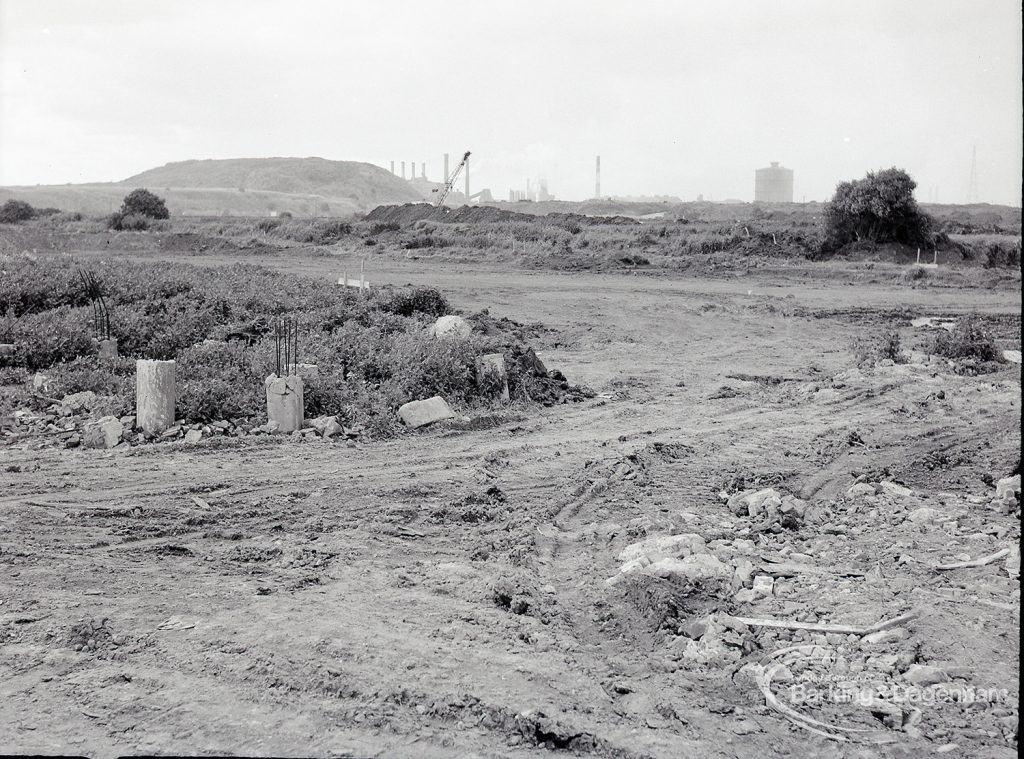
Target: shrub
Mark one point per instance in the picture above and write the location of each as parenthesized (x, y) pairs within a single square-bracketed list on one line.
[(44, 339), (873, 349), (998, 255), (89, 373), (421, 300), (967, 340), (144, 203), (14, 211), (879, 208)]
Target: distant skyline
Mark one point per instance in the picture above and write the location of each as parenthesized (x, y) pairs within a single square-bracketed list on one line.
[(680, 99)]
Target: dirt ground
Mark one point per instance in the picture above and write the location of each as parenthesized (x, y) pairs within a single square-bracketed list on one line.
[(445, 594)]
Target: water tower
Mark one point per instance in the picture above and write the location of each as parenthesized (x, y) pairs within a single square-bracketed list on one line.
[(773, 184)]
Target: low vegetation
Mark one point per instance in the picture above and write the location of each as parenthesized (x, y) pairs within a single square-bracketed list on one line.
[(374, 351)]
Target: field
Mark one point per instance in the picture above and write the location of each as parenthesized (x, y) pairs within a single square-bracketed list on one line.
[(444, 592)]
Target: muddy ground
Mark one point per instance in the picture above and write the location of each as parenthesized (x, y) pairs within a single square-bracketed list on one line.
[(445, 594)]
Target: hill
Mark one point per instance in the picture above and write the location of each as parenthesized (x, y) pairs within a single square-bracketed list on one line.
[(238, 186)]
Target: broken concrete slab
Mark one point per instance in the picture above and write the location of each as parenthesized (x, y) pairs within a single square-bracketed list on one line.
[(451, 327), (105, 432), (421, 413)]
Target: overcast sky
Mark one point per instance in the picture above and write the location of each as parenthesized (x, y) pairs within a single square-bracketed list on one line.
[(679, 98)]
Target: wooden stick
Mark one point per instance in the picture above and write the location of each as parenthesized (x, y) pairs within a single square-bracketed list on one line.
[(826, 628), (974, 562)]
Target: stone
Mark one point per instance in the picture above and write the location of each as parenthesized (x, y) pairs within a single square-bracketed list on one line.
[(892, 489), (1012, 356), (332, 429), (7, 349), (861, 489), (421, 413), (698, 568), (924, 675), (41, 383), (451, 327), (763, 585), (193, 436), (103, 433), (79, 401), (1008, 488), (284, 401), (924, 515), (743, 573), (664, 546), (155, 395), (891, 635), (321, 422), (490, 370)]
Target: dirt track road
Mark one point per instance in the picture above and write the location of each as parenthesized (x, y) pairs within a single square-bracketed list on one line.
[(306, 598)]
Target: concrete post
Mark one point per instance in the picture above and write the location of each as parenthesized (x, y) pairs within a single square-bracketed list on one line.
[(284, 402), (155, 393)]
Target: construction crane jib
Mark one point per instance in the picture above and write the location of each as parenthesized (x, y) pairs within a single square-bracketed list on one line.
[(449, 182)]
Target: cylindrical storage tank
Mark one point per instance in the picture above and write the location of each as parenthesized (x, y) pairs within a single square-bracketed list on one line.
[(773, 184)]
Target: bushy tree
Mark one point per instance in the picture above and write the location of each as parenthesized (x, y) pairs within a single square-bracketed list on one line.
[(878, 208), (142, 202), (14, 211)]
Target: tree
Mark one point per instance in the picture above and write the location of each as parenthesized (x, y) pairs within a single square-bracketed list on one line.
[(144, 203), (878, 208)]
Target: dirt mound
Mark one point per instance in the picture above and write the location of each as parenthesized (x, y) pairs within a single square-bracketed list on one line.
[(410, 213)]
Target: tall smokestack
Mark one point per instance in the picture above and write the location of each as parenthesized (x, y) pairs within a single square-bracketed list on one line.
[(597, 179), (403, 169), (392, 167), (445, 177), (423, 169), (467, 181)]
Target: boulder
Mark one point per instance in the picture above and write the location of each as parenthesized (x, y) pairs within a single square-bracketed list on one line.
[(892, 489), (1012, 356), (79, 401), (103, 433), (451, 327), (421, 413), (664, 546), (1008, 488), (924, 515), (698, 568), (861, 489), (332, 429), (193, 436), (923, 675)]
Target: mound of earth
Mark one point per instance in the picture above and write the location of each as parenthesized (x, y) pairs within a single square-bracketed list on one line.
[(410, 213)]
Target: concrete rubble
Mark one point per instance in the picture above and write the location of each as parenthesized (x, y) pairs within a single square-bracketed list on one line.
[(451, 327), (421, 413)]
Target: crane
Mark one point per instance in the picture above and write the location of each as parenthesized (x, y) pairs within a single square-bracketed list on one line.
[(449, 182)]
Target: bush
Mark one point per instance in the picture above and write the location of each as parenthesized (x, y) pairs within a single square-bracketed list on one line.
[(14, 211), (879, 208), (968, 340), (142, 202), (421, 300), (872, 350), (47, 338)]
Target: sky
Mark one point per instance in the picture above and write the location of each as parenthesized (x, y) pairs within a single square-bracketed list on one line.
[(678, 98)]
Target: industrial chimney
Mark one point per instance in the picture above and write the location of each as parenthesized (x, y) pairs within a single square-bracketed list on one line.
[(392, 167), (597, 179), (403, 169)]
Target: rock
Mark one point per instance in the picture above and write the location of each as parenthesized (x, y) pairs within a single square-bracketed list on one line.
[(763, 585), (744, 571), (7, 349), (925, 515), (451, 327), (698, 568), (664, 546), (745, 596), (1012, 563), (321, 422), (79, 401), (103, 433), (421, 413), (193, 436), (891, 488), (861, 489), (754, 502), (1012, 356), (41, 383), (923, 675), (1008, 488), (332, 429)]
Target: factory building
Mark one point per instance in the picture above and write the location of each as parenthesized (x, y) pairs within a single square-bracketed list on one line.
[(773, 184)]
